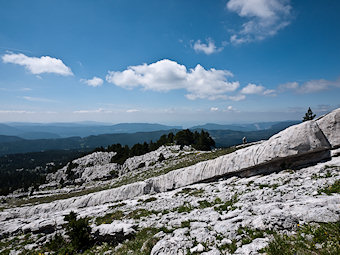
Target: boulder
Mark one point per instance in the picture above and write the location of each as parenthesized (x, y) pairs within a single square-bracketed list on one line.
[(113, 233), (330, 126)]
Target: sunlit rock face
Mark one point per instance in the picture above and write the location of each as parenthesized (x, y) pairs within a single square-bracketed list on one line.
[(330, 126)]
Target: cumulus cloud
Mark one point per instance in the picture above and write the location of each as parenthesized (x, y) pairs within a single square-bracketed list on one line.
[(166, 75), (207, 48), (263, 18), (94, 82), (252, 89), (311, 86), (44, 64), (237, 97), (213, 109)]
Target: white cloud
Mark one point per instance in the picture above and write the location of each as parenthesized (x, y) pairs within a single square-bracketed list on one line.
[(15, 112), (229, 108), (269, 92), (213, 109), (100, 110), (252, 89), (94, 82), (166, 75), (237, 97), (288, 86), (132, 110), (311, 86), (264, 18), (207, 48), (38, 99), (25, 89), (44, 64)]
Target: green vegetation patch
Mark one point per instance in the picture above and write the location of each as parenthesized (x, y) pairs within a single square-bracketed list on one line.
[(190, 192), (142, 244), (250, 234), (232, 247), (139, 213), (228, 205), (110, 217), (186, 207), (322, 239), (334, 188)]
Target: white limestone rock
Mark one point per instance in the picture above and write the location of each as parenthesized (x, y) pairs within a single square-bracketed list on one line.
[(114, 228), (330, 126)]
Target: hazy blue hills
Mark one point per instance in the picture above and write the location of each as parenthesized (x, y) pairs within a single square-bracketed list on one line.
[(82, 129), (223, 138), (9, 139), (244, 127), (72, 143)]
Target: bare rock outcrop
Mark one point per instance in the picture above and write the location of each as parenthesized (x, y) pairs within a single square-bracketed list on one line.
[(330, 126), (294, 147)]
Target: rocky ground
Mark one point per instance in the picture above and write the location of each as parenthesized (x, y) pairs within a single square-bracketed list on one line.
[(192, 202), (236, 215)]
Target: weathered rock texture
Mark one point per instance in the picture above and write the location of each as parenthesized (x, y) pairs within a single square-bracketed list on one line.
[(330, 126)]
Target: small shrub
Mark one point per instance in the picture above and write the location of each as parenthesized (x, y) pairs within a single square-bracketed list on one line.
[(78, 231), (161, 157), (56, 243)]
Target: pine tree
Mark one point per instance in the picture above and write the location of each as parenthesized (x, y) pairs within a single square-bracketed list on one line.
[(309, 115)]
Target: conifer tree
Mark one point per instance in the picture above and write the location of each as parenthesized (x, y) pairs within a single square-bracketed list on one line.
[(309, 115)]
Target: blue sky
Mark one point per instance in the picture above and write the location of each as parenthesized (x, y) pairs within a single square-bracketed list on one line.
[(172, 62)]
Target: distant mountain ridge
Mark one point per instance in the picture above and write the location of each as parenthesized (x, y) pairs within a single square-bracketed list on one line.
[(245, 127), (223, 138), (83, 129)]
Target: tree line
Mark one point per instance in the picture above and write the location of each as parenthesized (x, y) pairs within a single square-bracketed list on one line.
[(198, 140)]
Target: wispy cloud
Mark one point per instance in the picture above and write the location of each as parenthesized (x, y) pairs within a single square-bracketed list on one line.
[(237, 97), (38, 99), (44, 64), (207, 48), (94, 82), (100, 110), (264, 18), (132, 110), (166, 75), (15, 112), (213, 109), (311, 86)]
